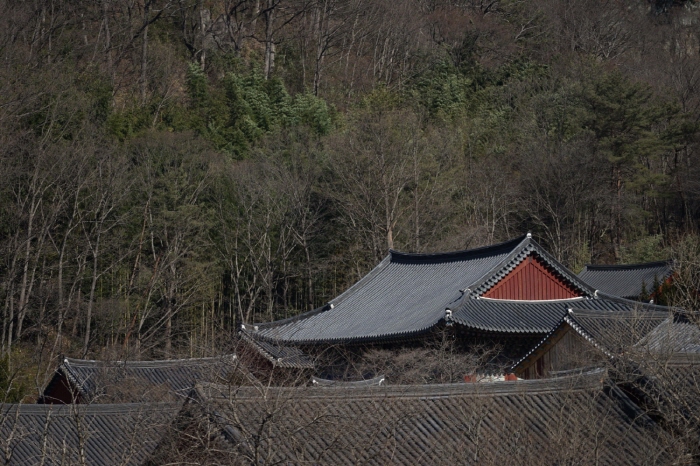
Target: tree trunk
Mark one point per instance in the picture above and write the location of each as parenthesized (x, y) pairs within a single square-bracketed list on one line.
[(93, 287), (269, 40), (144, 56)]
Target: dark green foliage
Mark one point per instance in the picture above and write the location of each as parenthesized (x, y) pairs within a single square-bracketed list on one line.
[(11, 390), (237, 111), (197, 86)]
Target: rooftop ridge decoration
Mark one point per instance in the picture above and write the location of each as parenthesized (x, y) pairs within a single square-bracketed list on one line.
[(144, 364), (341, 384), (530, 301), (637, 304), (638, 265), (508, 245)]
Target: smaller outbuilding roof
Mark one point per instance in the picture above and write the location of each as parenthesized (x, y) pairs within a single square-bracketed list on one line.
[(626, 281), (135, 381), (612, 330), (109, 434)]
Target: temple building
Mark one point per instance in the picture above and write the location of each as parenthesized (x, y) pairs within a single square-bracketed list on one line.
[(507, 297)]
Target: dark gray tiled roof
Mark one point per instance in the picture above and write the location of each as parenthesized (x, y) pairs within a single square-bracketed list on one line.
[(626, 280), (279, 355), (142, 380), (122, 434), (674, 335), (509, 316), (404, 294), (489, 423), (670, 386), (615, 332), (407, 294)]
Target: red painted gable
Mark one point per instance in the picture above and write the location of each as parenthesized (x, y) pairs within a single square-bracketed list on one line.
[(532, 280)]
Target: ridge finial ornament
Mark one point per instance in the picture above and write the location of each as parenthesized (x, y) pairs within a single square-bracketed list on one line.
[(529, 235), (448, 317)]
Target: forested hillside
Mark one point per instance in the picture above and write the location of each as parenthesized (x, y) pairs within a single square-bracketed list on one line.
[(172, 167)]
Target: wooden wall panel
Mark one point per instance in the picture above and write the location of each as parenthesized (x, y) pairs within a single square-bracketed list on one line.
[(569, 351), (532, 280)]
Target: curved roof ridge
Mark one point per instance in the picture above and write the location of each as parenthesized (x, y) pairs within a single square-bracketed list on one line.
[(340, 384), (586, 381), (143, 364), (277, 323), (631, 315), (339, 340), (633, 303), (397, 256), (535, 348), (668, 262)]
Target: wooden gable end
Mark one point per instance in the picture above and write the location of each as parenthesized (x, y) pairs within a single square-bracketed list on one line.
[(532, 280), (60, 391), (564, 351)]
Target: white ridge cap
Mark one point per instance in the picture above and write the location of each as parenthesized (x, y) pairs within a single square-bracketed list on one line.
[(562, 300)]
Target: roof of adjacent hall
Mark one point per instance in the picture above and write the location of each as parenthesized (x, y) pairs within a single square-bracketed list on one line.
[(628, 280)]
